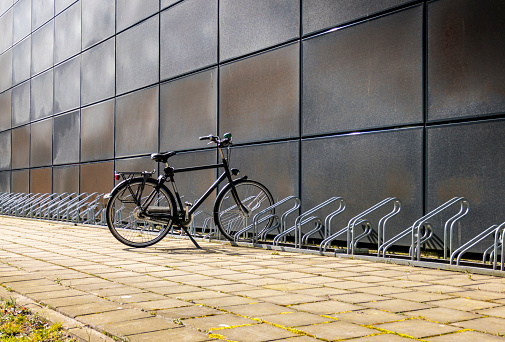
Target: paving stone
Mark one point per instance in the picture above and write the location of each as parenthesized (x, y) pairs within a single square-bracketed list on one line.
[(226, 301), (89, 335), (62, 293), (382, 338), (257, 310), (75, 300), (217, 322), (479, 295), (187, 312), (326, 308), (467, 336), (295, 319), (347, 285), (89, 308), (322, 291), (396, 305), (232, 288), (381, 290), (491, 286), (337, 330), (136, 297), (358, 297), (463, 304), (444, 315), (261, 292), (139, 326), (203, 294), (290, 299), (288, 287), (176, 334), (498, 311), (368, 317), (115, 316), (254, 333), (118, 291), (418, 328), (418, 296)]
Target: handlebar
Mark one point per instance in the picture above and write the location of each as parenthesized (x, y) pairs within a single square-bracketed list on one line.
[(225, 142)]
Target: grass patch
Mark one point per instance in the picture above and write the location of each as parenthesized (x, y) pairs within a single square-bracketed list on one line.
[(18, 323)]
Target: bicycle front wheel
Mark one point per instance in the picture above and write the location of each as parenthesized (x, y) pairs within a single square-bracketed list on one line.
[(126, 222), (231, 220)]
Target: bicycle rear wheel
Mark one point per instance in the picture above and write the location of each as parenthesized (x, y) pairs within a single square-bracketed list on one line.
[(230, 219), (125, 221)]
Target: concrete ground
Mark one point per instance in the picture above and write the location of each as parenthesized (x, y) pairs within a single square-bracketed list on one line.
[(98, 289)]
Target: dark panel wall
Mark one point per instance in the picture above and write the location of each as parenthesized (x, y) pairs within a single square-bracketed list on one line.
[(361, 99)]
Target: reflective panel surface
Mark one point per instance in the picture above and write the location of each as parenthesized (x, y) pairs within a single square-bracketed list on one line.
[(465, 161), (67, 33), (321, 14), (364, 169), (66, 138), (6, 29), (259, 97), (137, 165), (66, 179), (250, 25), (166, 3), (364, 76), (137, 56), (21, 104), (97, 131), (6, 70), (41, 143), (188, 111), (188, 37), (466, 59), (42, 11), (21, 147), (97, 73), (5, 110), (98, 21), (60, 5), (41, 95), (42, 48), (67, 85), (40, 180), (97, 177), (22, 19), (21, 57), (20, 181), (131, 11), (5, 150), (5, 181), (137, 123)]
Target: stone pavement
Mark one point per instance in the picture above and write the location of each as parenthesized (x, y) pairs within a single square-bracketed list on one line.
[(81, 276)]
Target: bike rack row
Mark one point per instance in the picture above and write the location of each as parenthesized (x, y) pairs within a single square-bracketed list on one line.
[(66, 207)]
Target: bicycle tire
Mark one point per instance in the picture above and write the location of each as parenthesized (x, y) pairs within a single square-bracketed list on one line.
[(121, 210), (229, 219)]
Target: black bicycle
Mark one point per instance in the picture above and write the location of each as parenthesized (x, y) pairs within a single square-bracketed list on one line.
[(142, 210)]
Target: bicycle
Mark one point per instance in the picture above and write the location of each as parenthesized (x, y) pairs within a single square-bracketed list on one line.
[(141, 209)]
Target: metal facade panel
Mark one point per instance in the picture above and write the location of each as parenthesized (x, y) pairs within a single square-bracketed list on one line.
[(5, 181), (21, 58), (6, 29), (60, 5), (20, 181), (188, 110), (21, 104), (67, 33), (259, 96), (42, 11), (41, 141), (67, 85), (98, 21), (139, 164), (42, 48), (274, 165), (466, 58), (41, 95), (137, 56), (97, 177), (137, 123), (166, 3), (364, 169), (22, 20), (41, 180), (364, 76), (98, 73), (66, 138), (130, 12), (5, 70), (5, 150), (21, 147), (192, 185), (97, 131), (246, 26), (5, 110), (66, 179), (321, 14), (467, 160), (188, 37)]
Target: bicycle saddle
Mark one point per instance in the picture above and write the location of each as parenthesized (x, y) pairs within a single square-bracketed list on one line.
[(162, 157)]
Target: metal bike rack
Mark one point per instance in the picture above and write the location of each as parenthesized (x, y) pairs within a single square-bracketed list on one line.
[(307, 217)]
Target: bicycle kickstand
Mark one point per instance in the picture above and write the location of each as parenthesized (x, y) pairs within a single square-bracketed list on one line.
[(191, 237)]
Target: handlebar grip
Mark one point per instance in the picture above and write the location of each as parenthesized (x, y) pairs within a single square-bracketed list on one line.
[(207, 137)]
